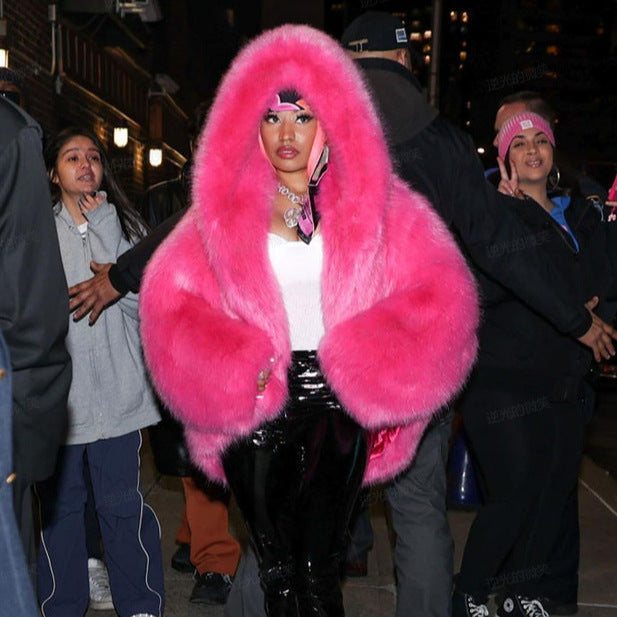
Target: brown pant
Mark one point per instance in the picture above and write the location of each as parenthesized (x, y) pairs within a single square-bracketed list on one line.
[(205, 526)]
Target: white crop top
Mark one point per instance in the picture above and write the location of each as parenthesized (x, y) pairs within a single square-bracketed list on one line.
[(297, 267)]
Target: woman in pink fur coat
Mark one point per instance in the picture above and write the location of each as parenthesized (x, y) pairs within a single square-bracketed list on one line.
[(310, 312)]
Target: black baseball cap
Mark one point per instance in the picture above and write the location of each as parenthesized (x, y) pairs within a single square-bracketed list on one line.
[(375, 31)]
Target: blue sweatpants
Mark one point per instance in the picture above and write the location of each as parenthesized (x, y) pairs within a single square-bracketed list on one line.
[(129, 528)]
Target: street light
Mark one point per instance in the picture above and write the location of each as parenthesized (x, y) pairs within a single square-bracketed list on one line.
[(121, 136), (155, 157)]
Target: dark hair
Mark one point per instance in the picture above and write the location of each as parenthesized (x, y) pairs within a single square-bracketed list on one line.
[(533, 102), (18, 96), (131, 223), (12, 77)]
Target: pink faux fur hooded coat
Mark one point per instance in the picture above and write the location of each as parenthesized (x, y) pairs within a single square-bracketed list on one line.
[(399, 304)]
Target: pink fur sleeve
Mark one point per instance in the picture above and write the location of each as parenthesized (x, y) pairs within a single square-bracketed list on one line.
[(204, 363), (409, 353)]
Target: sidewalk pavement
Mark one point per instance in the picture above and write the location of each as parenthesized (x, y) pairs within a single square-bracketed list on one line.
[(374, 595)]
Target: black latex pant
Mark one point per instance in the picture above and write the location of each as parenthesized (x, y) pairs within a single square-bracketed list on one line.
[(295, 480)]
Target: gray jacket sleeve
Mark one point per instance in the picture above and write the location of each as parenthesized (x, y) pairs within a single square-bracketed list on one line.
[(34, 311)]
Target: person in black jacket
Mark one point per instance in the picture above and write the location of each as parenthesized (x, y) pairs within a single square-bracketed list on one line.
[(526, 404), (440, 162), (33, 309), (558, 585)]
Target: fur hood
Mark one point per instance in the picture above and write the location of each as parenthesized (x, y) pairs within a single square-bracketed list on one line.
[(399, 304)]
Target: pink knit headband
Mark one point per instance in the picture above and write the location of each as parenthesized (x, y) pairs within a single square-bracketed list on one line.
[(514, 125)]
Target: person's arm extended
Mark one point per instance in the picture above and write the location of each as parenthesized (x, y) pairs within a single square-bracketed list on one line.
[(112, 281)]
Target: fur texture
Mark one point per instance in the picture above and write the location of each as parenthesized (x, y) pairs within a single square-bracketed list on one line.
[(400, 307)]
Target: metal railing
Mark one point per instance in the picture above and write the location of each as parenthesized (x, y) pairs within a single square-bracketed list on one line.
[(95, 69)]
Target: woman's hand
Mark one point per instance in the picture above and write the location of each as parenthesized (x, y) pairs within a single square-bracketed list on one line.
[(599, 338), (508, 185), (90, 201), (263, 378)]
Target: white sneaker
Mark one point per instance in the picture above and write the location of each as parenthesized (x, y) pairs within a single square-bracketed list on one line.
[(100, 593), (143, 615)]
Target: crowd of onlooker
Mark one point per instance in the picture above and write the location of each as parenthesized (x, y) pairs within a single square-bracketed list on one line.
[(78, 387)]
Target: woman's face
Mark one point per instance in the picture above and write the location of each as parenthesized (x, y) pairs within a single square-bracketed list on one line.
[(288, 138), (79, 168), (532, 154)]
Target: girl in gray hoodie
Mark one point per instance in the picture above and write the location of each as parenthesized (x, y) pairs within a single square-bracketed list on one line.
[(109, 401)]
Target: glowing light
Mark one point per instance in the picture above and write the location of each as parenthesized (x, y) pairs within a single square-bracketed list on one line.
[(155, 157), (121, 136)]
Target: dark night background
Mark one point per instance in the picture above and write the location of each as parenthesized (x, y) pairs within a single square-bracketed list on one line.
[(97, 64), (566, 50)]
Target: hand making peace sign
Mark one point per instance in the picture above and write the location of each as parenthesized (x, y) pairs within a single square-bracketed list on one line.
[(508, 185)]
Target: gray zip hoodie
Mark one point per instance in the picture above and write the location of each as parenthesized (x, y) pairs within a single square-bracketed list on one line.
[(110, 394)]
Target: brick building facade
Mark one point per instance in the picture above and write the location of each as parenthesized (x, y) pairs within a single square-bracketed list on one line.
[(72, 77)]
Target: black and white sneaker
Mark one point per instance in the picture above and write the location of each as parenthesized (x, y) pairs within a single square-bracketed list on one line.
[(464, 605), (513, 605)]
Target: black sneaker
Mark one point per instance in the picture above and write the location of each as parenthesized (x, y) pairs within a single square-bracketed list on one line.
[(464, 605), (181, 559), (211, 588), (513, 605)]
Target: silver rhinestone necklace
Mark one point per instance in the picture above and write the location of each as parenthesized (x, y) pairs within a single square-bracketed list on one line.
[(292, 214)]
